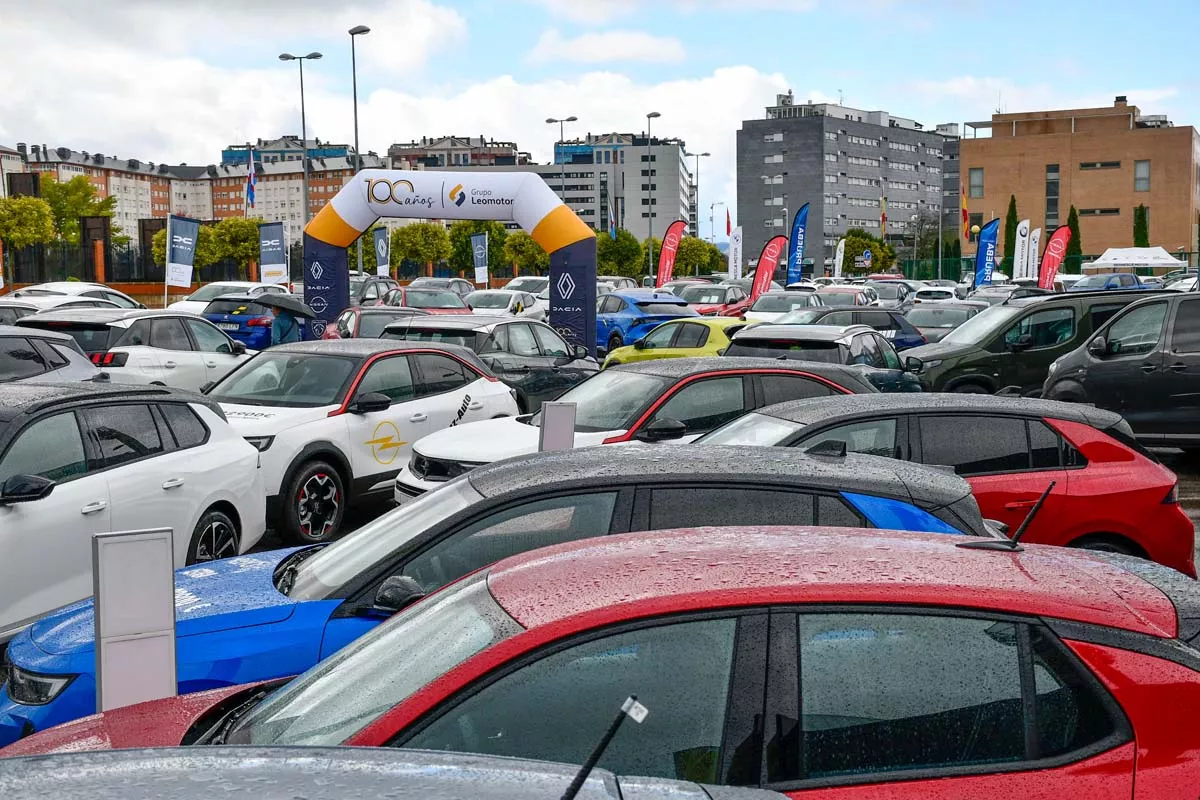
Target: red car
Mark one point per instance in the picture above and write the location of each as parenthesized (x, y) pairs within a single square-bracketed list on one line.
[(357, 322), (839, 295), (721, 300), (833, 664), (435, 301)]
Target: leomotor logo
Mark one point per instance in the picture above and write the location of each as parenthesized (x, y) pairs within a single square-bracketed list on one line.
[(457, 195)]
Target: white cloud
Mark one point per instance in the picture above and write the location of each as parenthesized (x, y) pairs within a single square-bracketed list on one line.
[(607, 46), (982, 96), (603, 11)]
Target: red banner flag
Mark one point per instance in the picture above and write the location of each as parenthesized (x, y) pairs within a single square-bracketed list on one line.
[(666, 253), (728, 223), (764, 273), (1056, 251)]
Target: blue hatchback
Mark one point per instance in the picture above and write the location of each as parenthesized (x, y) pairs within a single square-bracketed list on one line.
[(625, 316), (243, 319)]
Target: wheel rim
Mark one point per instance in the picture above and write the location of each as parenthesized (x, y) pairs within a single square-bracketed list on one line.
[(317, 505), (217, 539)]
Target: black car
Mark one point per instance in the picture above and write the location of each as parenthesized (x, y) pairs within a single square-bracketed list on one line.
[(527, 355), (1144, 363), (460, 286), (935, 320), (367, 290), (890, 323)]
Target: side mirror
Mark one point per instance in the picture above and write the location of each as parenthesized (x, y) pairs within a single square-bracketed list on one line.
[(1023, 342), (370, 403), (1098, 347), (579, 351), (238, 348), (397, 593), (914, 365), (640, 344), (661, 430), (25, 489)]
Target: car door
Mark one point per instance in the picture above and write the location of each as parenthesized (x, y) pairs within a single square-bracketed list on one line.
[(522, 364), (216, 349), (380, 442), (565, 369), (1129, 376), (658, 343), (444, 387), (1024, 353), (46, 545), (1182, 365), (704, 404), (182, 365), (606, 307), (885, 436)]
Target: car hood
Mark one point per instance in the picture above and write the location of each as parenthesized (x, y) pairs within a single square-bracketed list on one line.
[(215, 596), (763, 316), (933, 335), (937, 350), (190, 306), (492, 440), (268, 420)]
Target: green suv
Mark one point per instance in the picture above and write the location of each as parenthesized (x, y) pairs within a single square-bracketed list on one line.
[(1013, 344)]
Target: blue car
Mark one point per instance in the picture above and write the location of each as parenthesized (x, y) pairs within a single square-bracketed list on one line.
[(891, 324), (276, 614), (1108, 281), (624, 316), (243, 319)]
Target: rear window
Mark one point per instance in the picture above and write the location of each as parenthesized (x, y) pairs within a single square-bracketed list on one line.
[(839, 298), (825, 352), (237, 308), (433, 299), (664, 308), (370, 326), (466, 338), (90, 338)]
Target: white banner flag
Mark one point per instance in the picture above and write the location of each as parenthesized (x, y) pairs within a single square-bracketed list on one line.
[(1020, 250), (735, 254), (1031, 266), (838, 255)]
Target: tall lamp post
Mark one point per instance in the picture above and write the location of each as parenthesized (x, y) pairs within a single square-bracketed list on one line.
[(712, 227), (562, 172), (650, 198), (357, 30), (941, 216), (313, 56), (696, 183)]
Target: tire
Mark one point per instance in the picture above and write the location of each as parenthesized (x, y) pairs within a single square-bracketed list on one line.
[(216, 536), (614, 342), (969, 388), (314, 504), (1108, 544)]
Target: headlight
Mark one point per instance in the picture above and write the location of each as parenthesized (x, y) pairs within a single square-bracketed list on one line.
[(928, 365), (1053, 366), (32, 689), (261, 443)]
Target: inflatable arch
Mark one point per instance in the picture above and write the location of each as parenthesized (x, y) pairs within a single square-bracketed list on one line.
[(520, 197)]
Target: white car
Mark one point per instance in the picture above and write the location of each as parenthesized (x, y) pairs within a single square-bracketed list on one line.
[(335, 419), (1182, 285), (85, 458), (773, 305), (935, 294), (195, 302), (42, 357), (80, 289), (167, 348), (528, 283), (506, 302)]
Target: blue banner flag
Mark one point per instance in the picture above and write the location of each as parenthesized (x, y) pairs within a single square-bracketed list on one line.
[(573, 293), (326, 283), (383, 258), (985, 255), (272, 260), (182, 235), (479, 252), (795, 266)]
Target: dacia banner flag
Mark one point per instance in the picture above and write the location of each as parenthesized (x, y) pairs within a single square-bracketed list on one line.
[(326, 283), (272, 260), (764, 273), (666, 253), (1056, 251), (573, 293), (479, 252), (382, 244), (795, 267), (985, 256), (182, 234)]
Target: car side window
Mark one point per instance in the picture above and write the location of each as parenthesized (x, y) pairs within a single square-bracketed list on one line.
[(781, 388), (616, 305), (1047, 328), (18, 359), (121, 300), (122, 433), (551, 343), (974, 445), (496, 342), (390, 376), (872, 356), (681, 671), (345, 324), (838, 318), (370, 293), (441, 374), (691, 335), (521, 341), (733, 505), (890, 359), (208, 339), (136, 335), (1101, 314), (51, 447), (1137, 332), (661, 337), (1185, 332), (185, 427), (876, 437), (51, 356), (168, 334), (513, 530), (705, 404)]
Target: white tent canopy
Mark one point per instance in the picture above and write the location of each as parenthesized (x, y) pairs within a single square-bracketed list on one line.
[(1126, 258)]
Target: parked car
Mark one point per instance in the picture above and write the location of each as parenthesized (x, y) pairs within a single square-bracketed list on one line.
[(367, 290), (493, 302), (18, 307), (859, 347), (747, 284), (306, 604), (935, 294), (675, 285), (534, 284), (889, 323), (13, 310), (1109, 494), (617, 282), (944, 283), (197, 301), (1144, 363), (1036, 674), (83, 458), (33, 356), (843, 295), (1014, 343), (683, 338), (435, 301), (627, 315), (1179, 285), (1107, 282), (528, 356), (716, 300), (334, 420), (675, 399), (936, 320), (1067, 281), (893, 294), (460, 286), (770, 307), (358, 322), (242, 319), (78, 289), (146, 346), (993, 294)]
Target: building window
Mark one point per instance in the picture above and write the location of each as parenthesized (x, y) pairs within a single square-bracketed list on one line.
[(650, 158), (1099, 212), (831, 178), (1141, 176), (646, 172), (773, 159), (975, 182), (862, 141), (858, 161), (831, 199), (863, 181), (1100, 165), (831, 136), (1052, 188), (863, 223), (773, 137), (831, 222), (831, 157), (907, 148), (904, 186), (864, 202), (903, 166)]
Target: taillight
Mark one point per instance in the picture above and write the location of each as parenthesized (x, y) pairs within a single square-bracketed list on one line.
[(1172, 498), (114, 359), (96, 358), (259, 322)]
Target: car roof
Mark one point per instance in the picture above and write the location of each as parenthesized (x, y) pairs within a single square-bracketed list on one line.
[(839, 288), (23, 302), (249, 298), (68, 287), (17, 399), (98, 316), (684, 367), (820, 410), (364, 348), (647, 296), (811, 333), (501, 291), (1098, 294), (711, 322), (33, 333), (597, 581), (962, 304), (452, 321)]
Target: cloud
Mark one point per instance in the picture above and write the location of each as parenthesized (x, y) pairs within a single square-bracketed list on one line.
[(596, 48), (984, 95), (604, 11)]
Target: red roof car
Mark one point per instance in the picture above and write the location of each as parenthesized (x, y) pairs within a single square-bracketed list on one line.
[(359, 322), (721, 300), (907, 665), (435, 301)]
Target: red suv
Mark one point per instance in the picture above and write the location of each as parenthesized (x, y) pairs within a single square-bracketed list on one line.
[(721, 300), (1109, 493)]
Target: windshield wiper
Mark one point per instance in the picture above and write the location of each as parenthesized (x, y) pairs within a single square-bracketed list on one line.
[(224, 726), (291, 565)]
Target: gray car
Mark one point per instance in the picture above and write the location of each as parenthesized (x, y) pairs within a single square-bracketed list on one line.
[(35, 356)]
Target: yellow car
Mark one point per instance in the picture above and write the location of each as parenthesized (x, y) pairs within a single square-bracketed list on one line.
[(687, 337)]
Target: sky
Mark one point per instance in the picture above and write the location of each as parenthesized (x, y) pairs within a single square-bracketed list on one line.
[(177, 80)]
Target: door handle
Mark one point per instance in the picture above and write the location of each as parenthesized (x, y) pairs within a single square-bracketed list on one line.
[(418, 418), (172, 483), (94, 506), (1178, 367), (1148, 368), (210, 364), (169, 364), (521, 368), (475, 406), (1019, 504)]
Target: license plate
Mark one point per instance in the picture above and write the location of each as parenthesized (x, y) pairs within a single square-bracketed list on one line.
[(229, 326)]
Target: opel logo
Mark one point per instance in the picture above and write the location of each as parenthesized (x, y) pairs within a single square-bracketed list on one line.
[(566, 286)]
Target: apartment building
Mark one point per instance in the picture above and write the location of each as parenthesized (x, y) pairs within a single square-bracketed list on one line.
[(455, 151), (12, 162), (284, 148)]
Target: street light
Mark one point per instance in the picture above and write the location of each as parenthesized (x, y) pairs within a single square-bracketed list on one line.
[(313, 56), (562, 172), (357, 30), (649, 198), (696, 182), (712, 229)]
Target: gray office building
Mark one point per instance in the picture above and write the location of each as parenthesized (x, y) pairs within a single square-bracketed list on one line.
[(843, 162)]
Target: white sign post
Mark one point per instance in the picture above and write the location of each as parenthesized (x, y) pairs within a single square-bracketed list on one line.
[(558, 427), (133, 577)]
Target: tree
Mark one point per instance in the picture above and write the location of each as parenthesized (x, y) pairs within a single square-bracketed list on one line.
[(621, 256), (692, 256), (236, 239), (462, 259), (717, 261), (1141, 227), (25, 221), (1074, 257), (649, 264), (527, 255), (71, 200), (207, 252), (423, 242), (857, 242), (1010, 234)]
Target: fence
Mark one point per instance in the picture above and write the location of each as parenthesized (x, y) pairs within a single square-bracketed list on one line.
[(955, 268), (122, 264)]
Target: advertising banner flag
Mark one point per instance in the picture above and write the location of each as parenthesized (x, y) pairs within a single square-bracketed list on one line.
[(479, 251), (1031, 265), (1056, 251), (383, 252), (882, 217), (838, 255), (728, 223), (735, 254), (612, 221), (326, 287), (985, 256), (1021, 250), (573, 293), (966, 226), (182, 234), (272, 260), (666, 253), (795, 264), (764, 273)]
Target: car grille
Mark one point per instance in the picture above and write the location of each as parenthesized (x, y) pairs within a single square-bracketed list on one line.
[(437, 469), (411, 491)]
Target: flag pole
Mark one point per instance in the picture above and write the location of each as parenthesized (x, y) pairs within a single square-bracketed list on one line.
[(166, 261)]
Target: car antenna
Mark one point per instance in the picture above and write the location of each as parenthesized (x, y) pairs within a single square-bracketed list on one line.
[(1012, 545), (630, 708)]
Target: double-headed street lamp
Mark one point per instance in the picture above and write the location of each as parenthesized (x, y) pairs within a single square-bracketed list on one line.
[(696, 183), (562, 172), (650, 197), (313, 56), (357, 30)]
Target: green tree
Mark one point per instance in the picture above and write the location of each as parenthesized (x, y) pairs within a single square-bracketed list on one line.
[(620, 256), (1010, 234), (236, 239), (1074, 258), (462, 259), (207, 252), (71, 200), (1141, 227), (717, 261), (692, 256), (859, 241), (423, 242), (527, 255), (25, 221)]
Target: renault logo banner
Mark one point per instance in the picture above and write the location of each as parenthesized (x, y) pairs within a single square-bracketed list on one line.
[(383, 264), (326, 283)]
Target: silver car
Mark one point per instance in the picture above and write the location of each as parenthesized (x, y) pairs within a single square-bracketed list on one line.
[(35, 356)]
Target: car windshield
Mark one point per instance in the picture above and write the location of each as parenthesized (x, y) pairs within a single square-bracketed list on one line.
[(362, 681), (430, 283), (488, 300), (758, 430), (432, 299), (215, 290), (1092, 282), (91, 337), (529, 284), (934, 294), (804, 316), (825, 352), (292, 380), (888, 291), (937, 317), (460, 336), (371, 324), (238, 308), (982, 326), (777, 303), (611, 400), (702, 294), (838, 298), (319, 576), (668, 309)]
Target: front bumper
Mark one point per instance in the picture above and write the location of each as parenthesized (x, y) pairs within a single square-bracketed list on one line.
[(17, 721), (409, 487)]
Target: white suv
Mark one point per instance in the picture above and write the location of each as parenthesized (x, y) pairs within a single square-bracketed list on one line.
[(335, 419), (84, 458)]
